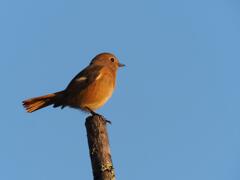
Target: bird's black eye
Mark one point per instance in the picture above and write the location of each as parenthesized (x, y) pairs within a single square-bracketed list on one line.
[(112, 59)]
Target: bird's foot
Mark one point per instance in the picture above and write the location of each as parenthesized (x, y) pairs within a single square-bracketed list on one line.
[(99, 115)]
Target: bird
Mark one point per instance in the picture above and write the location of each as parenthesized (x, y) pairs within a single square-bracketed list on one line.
[(89, 90)]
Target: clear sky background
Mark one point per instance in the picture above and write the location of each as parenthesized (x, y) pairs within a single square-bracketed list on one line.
[(176, 109)]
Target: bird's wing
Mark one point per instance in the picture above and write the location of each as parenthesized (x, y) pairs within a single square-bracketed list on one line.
[(83, 79)]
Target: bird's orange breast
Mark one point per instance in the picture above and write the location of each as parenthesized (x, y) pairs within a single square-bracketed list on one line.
[(97, 93)]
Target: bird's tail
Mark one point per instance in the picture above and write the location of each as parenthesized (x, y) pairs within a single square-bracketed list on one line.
[(36, 103)]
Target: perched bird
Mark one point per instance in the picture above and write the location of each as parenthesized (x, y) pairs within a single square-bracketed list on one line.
[(89, 90)]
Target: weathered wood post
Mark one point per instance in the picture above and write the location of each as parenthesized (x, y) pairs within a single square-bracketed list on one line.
[(99, 148)]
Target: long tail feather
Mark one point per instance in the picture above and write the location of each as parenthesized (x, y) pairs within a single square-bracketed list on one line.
[(36, 103)]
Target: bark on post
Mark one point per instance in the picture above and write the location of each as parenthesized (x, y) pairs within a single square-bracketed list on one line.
[(99, 149)]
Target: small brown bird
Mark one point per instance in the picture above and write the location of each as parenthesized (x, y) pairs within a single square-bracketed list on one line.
[(89, 90)]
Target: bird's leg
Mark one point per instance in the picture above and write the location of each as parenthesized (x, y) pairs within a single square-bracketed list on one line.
[(96, 114)]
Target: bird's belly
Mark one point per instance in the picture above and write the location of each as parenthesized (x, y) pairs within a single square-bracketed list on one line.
[(96, 95)]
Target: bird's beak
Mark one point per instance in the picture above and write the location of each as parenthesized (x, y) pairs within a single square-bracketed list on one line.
[(121, 65)]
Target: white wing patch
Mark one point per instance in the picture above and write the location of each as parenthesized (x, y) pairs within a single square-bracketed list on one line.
[(82, 78), (99, 76)]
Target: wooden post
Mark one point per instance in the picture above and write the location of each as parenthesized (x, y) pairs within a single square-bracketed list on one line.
[(99, 149)]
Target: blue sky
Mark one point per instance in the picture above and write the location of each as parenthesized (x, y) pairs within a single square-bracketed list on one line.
[(175, 111)]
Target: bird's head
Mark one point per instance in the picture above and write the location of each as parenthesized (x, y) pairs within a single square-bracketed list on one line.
[(107, 59)]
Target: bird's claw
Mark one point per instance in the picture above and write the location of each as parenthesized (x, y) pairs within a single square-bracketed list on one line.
[(99, 115)]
